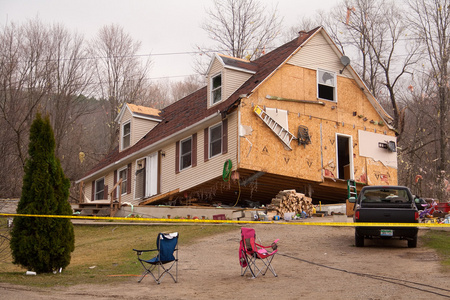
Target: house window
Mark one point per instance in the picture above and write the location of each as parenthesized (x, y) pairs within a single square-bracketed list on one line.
[(123, 174), (185, 153), (126, 135), (99, 189), (215, 140), (216, 89), (326, 85)]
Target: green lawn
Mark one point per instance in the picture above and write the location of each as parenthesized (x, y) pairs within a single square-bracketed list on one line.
[(440, 241), (103, 254)]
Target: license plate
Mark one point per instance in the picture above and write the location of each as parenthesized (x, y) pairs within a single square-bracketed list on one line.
[(386, 232)]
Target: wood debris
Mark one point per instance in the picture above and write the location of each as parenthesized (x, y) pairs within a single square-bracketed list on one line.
[(289, 201)]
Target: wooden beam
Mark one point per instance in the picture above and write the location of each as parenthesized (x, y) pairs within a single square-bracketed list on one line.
[(294, 100), (159, 197)]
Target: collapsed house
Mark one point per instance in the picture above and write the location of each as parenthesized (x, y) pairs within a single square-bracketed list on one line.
[(298, 117)]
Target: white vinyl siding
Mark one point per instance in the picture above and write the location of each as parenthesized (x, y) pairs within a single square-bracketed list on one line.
[(318, 54), (232, 80), (140, 128), (204, 171)]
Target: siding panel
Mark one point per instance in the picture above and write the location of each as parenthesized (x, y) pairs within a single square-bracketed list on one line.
[(205, 170), (318, 54)]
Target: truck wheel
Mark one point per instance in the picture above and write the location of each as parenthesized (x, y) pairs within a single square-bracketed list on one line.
[(359, 240), (412, 243)]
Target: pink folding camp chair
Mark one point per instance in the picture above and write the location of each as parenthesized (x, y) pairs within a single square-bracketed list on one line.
[(255, 257)]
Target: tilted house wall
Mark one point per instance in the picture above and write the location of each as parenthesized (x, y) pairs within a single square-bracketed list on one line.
[(348, 133), (350, 116)]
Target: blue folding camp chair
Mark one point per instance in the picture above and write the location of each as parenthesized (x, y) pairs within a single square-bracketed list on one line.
[(165, 259)]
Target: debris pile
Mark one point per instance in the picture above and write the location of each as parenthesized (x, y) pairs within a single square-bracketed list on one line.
[(289, 201)]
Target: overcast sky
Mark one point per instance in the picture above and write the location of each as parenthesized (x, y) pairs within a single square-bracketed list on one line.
[(164, 27)]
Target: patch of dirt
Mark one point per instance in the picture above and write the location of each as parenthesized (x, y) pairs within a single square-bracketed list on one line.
[(313, 262)]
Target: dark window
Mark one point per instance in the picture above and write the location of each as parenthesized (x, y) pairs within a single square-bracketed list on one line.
[(126, 135), (99, 189), (123, 174), (216, 89), (215, 138), (326, 85), (186, 151)]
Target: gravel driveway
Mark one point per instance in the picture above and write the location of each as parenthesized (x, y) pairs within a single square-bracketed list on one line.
[(313, 262)]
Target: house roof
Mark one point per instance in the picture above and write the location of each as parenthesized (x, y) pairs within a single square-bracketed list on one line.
[(237, 63), (193, 108), (143, 110), (139, 112)]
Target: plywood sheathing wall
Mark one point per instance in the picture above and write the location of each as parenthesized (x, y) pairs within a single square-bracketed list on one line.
[(262, 150)]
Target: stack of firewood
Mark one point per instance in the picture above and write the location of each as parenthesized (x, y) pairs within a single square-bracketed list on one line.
[(289, 201)]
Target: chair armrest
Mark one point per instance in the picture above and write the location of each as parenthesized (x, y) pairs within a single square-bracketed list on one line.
[(139, 252)]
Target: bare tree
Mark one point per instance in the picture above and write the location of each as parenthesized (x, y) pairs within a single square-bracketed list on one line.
[(70, 76), (430, 20), (240, 28), (377, 31), (121, 74), (24, 79)]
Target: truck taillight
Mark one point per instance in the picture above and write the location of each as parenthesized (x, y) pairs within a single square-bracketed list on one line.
[(416, 215), (357, 215)]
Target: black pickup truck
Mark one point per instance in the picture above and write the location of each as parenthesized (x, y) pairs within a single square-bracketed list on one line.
[(385, 204)]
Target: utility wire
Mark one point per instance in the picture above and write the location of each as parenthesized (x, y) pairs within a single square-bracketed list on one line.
[(397, 281)]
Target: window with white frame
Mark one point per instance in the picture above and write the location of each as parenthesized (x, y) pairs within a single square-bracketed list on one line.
[(126, 135), (123, 174), (99, 189), (216, 89), (215, 140), (186, 153), (326, 85)]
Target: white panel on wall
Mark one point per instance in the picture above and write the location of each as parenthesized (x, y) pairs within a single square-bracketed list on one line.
[(369, 146)]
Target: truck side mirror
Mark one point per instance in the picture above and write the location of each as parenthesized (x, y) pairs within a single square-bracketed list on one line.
[(352, 200)]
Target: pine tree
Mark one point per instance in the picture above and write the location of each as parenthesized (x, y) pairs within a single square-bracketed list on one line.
[(43, 244)]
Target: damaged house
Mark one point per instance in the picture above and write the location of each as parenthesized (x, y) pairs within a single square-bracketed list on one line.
[(298, 117)]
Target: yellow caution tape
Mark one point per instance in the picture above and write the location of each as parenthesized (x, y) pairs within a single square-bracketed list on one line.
[(156, 220)]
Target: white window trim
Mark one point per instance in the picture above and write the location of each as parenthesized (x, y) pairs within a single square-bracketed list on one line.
[(123, 136), (350, 144), (334, 86), (181, 153), (118, 178), (137, 168), (212, 90), (210, 139), (95, 188)]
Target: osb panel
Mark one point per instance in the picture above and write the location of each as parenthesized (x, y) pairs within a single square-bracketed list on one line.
[(379, 174), (263, 150)]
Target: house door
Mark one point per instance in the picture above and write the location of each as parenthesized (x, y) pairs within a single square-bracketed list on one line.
[(344, 152), (151, 184)]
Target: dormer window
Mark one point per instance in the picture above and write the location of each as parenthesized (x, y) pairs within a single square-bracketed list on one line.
[(126, 135), (326, 85), (216, 89)]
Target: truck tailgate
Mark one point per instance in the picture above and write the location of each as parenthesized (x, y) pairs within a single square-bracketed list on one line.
[(383, 215)]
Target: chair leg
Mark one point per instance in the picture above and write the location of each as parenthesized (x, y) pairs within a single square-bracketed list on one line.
[(268, 266)]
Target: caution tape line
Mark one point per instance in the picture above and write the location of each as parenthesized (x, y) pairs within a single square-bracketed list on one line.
[(156, 220)]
